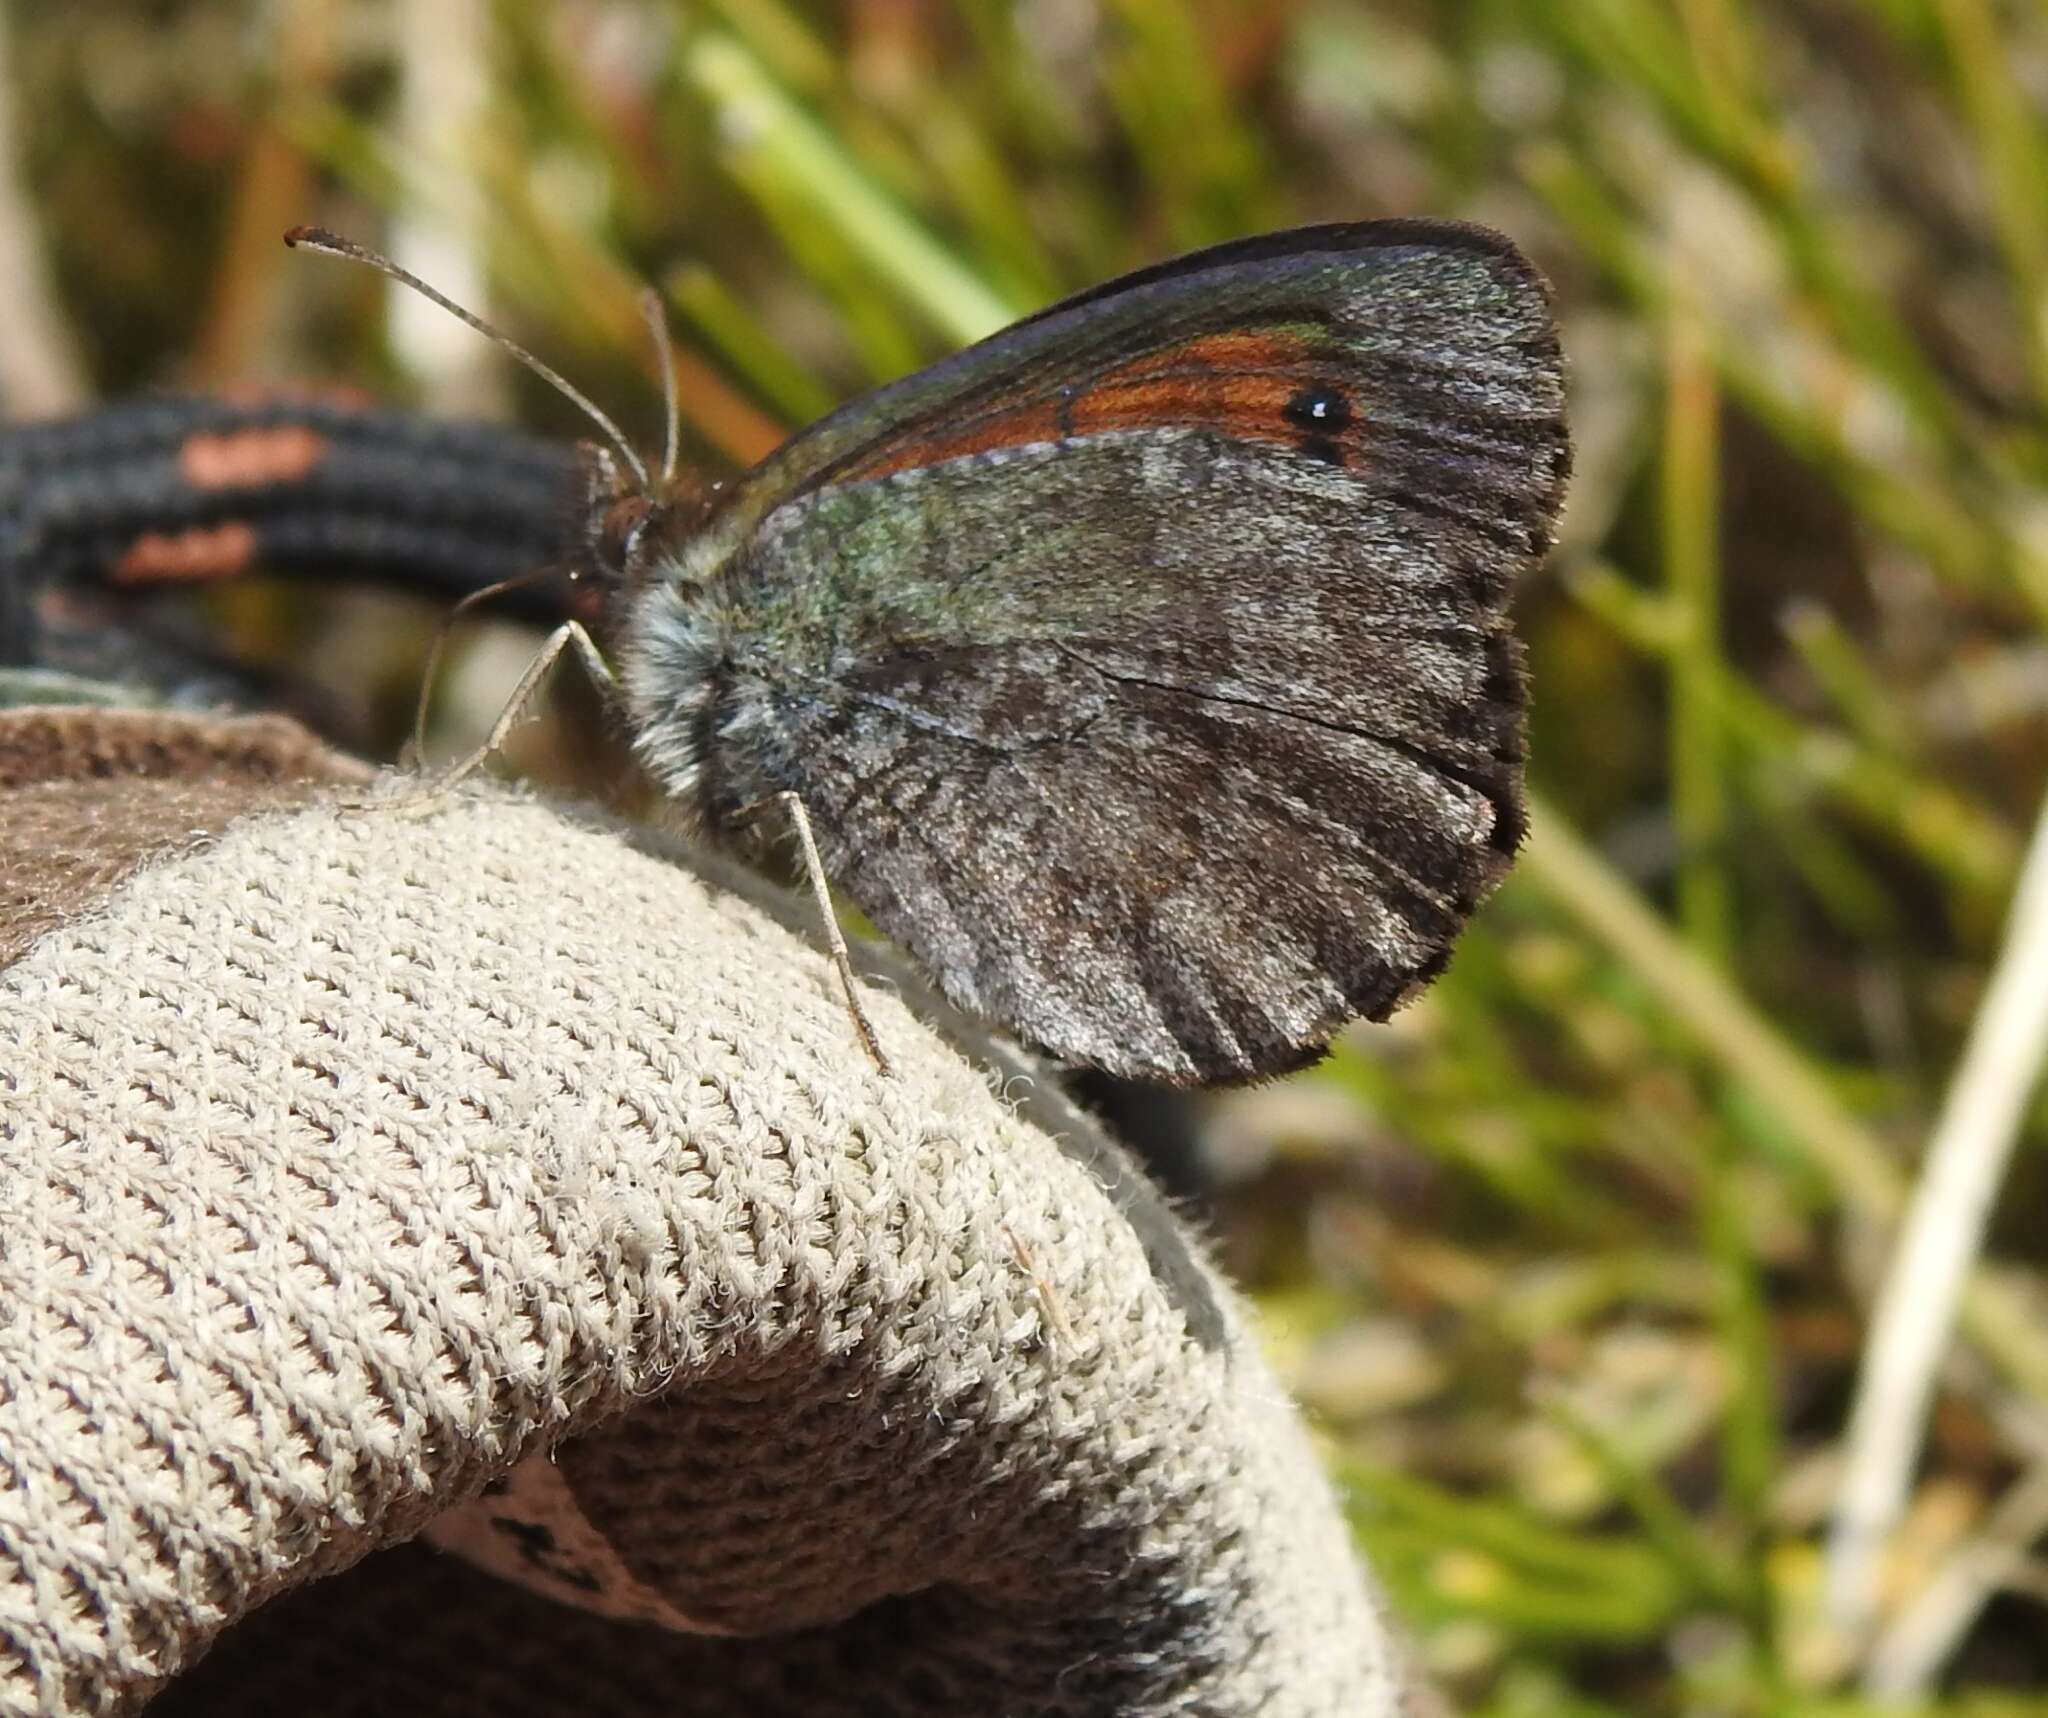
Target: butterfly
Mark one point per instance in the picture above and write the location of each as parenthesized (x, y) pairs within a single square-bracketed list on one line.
[(1146, 668)]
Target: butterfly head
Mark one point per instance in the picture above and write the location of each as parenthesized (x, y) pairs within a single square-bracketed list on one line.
[(631, 526)]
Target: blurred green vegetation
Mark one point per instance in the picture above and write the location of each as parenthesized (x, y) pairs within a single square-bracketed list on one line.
[(1572, 1262)]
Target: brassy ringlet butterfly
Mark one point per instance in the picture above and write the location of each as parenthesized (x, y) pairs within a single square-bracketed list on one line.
[(1146, 668)]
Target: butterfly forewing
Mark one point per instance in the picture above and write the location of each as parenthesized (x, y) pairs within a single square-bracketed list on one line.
[(1146, 669)]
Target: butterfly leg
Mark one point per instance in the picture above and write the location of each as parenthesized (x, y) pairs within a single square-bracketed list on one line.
[(835, 939), (570, 635)]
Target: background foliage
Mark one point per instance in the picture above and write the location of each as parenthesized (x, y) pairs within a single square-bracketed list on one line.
[(1573, 1263)]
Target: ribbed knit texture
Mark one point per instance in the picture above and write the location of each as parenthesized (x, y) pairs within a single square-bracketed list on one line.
[(352, 1157)]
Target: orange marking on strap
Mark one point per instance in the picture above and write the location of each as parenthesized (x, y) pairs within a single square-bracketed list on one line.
[(1250, 379), (205, 552), (251, 458)]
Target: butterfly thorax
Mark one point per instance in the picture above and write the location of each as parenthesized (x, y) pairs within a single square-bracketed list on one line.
[(675, 639)]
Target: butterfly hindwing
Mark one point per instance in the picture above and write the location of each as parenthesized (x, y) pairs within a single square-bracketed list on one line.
[(1146, 668)]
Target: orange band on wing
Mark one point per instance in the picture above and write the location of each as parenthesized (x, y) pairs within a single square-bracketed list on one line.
[(1253, 386)]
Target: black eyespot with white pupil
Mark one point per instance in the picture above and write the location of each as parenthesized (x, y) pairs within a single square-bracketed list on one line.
[(1322, 414)]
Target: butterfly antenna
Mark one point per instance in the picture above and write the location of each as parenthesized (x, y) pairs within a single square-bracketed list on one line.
[(333, 244), (439, 649), (664, 350)]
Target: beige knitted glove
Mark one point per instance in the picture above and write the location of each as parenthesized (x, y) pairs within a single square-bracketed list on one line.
[(484, 1175)]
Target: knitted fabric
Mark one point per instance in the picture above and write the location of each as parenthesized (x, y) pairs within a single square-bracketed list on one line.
[(362, 1171)]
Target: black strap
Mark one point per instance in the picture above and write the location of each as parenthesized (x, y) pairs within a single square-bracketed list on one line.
[(191, 488)]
